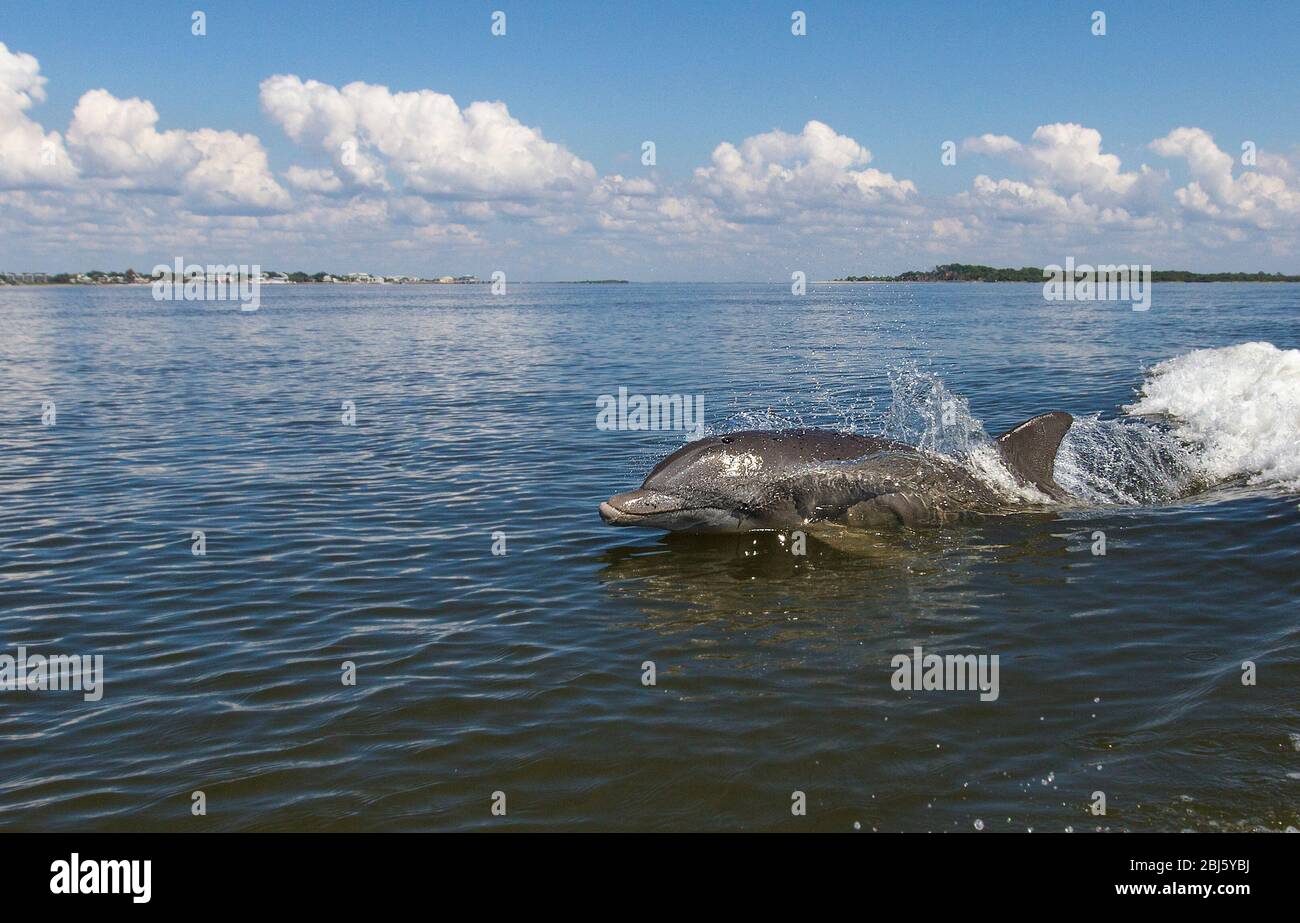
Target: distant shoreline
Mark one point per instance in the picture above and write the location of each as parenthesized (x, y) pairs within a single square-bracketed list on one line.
[(967, 272), (1286, 279), (941, 274), (1289, 280), (45, 280)]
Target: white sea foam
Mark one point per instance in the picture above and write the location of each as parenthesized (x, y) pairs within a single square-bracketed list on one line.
[(1237, 408)]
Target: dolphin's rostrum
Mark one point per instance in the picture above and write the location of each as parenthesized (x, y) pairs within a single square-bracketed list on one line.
[(787, 479)]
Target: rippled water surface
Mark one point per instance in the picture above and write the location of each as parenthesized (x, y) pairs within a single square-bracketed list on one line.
[(522, 673)]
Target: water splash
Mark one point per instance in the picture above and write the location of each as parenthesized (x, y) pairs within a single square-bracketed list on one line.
[(926, 413), (828, 410), (1237, 408), (1124, 462)]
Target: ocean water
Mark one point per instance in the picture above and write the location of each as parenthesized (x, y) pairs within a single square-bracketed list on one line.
[(522, 674)]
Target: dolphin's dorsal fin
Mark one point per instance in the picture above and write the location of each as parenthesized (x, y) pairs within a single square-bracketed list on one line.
[(1030, 450)]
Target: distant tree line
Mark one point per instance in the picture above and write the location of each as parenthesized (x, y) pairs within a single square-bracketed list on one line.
[(969, 272)]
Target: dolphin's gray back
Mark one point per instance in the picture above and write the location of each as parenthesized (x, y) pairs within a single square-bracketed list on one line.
[(809, 475), (782, 448)]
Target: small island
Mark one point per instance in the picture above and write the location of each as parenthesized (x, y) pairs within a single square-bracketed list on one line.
[(968, 272)]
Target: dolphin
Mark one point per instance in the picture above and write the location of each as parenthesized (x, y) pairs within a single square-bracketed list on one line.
[(789, 479)]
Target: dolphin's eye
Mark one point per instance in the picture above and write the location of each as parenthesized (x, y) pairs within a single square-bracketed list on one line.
[(727, 440)]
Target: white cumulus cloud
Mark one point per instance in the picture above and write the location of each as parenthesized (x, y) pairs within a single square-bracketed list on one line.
[(780, 174), (117, 141), (374, 135), (322, 181), (30, 157), (1065, 157), (1264, 199)]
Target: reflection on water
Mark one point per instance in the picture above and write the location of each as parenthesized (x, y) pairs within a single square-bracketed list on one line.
[(869, 569)]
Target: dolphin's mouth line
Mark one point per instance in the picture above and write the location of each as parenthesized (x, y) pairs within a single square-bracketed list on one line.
[(614, 516), (606, 505)]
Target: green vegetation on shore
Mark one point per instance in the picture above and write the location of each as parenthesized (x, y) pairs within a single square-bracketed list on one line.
[(967, 272)]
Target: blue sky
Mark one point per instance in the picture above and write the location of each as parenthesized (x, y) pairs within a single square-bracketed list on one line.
[(597, 80)]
